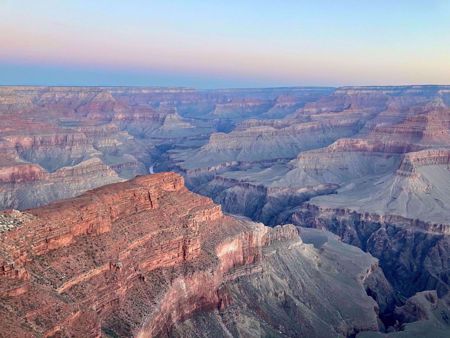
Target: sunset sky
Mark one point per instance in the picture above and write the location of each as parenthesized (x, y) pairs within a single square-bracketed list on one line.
[(210, 44)]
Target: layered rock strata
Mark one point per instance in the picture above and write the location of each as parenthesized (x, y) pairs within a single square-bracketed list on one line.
[(384, 189), (125, 130), (142, 257)]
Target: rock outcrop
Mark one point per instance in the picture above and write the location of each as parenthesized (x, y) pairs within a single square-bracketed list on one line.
[(414, 254), (74, 266), (284, 298), (262, 142), (147, 257)]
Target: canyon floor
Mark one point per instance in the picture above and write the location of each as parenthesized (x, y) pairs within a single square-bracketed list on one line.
[(350, 184)]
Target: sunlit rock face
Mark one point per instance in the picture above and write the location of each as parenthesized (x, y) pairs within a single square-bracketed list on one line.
[(147, 258)]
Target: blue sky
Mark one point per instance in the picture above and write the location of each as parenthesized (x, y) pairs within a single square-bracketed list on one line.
[(224, 43)]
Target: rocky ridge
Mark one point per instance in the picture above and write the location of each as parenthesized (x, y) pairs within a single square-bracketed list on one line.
[(146, 257)]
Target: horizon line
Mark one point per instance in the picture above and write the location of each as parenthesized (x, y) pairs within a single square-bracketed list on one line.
[(226, 88)]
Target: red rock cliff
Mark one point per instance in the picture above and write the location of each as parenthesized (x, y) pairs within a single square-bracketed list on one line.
[(130, 258)]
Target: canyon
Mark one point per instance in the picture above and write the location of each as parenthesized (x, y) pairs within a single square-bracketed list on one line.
[(382, 186), (58, 142), (353, 182), (147, 257)]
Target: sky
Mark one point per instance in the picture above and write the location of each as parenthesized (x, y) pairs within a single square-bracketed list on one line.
[(211, 44)]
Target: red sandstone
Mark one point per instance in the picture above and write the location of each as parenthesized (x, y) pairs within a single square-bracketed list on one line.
[(133, 256)]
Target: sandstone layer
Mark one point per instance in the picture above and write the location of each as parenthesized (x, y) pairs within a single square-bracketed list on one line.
[(148, 258)]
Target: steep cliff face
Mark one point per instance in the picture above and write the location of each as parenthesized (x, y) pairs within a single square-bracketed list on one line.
[(384, 189), (29, 185), (283, 298), (411, 185), (414, 254), (255, 141), (74, 265), (145, 257), (263, 203), (51, 151)]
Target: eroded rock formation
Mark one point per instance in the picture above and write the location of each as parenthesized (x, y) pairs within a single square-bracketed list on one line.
[(144, 257), (382, 187), (370, 164), (98, 135)]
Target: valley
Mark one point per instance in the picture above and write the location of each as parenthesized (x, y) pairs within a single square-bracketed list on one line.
[(357, 177)]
